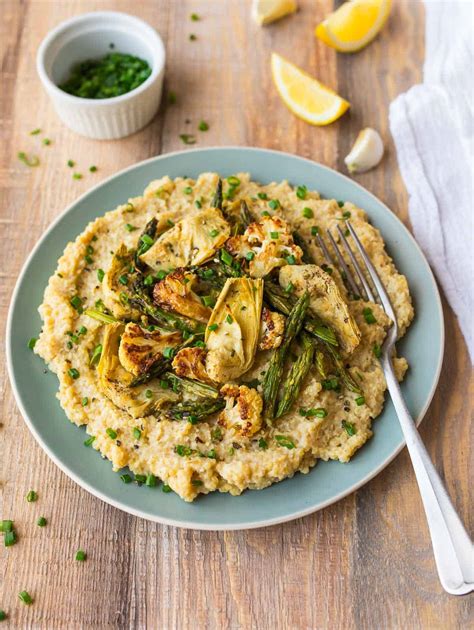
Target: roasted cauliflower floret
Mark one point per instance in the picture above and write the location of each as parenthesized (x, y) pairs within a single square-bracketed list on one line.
[(140, 349), (191, 241), (243, 411), (272, 327), (175, 293), (325, 300), (271, 243), (191, 363), (233, 329), (114, 380)]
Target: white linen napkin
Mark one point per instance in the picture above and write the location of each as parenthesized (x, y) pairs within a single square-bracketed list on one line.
[(432, 126)]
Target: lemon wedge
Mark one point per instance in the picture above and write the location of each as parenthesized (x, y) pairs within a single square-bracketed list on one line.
[(366, 152), (304, 96), (354, 24), (266, 11)]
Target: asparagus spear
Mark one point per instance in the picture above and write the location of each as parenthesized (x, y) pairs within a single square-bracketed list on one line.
[(298, 372), (299, 240), (283, 302), (144, 242), (346, 378), (245, 215), (217, 199), (143, 302), (273, 375), (192, 387), (196, 410)]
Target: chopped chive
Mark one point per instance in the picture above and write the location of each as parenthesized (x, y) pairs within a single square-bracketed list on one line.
[(140, 479), (199, 344), (25, 597), (369, 316), (229, 319), (188, 190), (291, 260), (150, 481), (111, 433), (168, 353), (203, 126), (73, 373), (346, 214), (9, 539), (93, 168), (71, 163), (340, 203), (77, 175), (275, 235), (301, 192), (137, 434), (100, 274), (123, 279), (166, 488), (35, 132), (82, 330), (249, 256), (32, 343), (146, 239), (290, 287), (226, 257), (213, 327), (194, 17), (233, 181), (314, 230), (377, 350), (349, 427), (360, 401), (330, 384), (170, 222), (149, 393), (266, 214), (285, 441), (319, 412), (263, 196), (89, 440), (46, 141), (326, 268), (31, 496), (130, 228), (308, 213), (41, 522), (81, 555), (6, 526), (187, 138), (96, 354), (274, 204), (213, 233), (31, 161), (148, 280), (126, 478), (198, 204), (208, 300), (262, 444), (164, 384)]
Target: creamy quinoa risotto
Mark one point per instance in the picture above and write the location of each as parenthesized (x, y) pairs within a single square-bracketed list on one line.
[(201, 336)]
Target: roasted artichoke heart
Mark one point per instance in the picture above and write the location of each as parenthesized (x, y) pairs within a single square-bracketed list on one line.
[(272, 328), (191, 241), (191, 363), (233, 329), (114, 380), (325, 301), (243, 411), (140, 349), (115, 284), (270, 242), (175, 293)]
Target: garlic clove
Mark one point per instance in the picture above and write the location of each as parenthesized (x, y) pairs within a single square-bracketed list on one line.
[(366, 152)]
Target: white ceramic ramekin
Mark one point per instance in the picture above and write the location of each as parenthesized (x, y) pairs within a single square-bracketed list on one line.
[(93, 35)]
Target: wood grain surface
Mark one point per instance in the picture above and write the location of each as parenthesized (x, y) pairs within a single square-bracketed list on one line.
[(365, 562)]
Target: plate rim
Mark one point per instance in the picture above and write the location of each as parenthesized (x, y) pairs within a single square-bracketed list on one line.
[(191, 524)]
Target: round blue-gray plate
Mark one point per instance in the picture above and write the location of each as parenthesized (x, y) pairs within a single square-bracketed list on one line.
[(328, 481)]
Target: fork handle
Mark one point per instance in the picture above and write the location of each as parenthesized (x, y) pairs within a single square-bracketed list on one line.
[(453, 549)]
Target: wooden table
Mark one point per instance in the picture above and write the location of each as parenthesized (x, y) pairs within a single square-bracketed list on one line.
[(365, 562)]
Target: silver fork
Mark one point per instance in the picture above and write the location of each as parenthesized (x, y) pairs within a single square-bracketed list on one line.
[(453, 549)]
